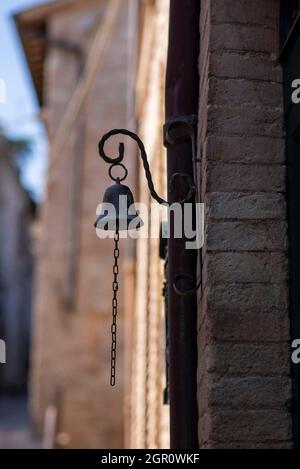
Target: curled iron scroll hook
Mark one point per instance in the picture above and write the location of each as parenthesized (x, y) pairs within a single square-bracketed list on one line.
[(118, 159)]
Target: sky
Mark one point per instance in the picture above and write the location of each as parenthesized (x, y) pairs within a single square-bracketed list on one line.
[(18, 112)]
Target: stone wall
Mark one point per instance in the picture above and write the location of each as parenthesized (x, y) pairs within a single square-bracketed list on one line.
[(149, 417), (244, 388), (16, 271), (72, 318)]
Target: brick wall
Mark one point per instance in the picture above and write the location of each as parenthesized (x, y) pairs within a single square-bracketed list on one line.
[(244, 388)]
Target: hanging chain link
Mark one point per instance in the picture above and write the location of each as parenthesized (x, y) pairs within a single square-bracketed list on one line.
[(115, 287)]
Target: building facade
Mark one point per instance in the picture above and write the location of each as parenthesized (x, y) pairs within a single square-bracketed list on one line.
[(70, 357), (246, 302), (244, 382), (149, 416), (16, 270)]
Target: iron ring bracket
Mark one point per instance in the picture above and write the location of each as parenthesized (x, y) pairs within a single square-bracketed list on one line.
[(117, 179), (192, 189), (179, 130), (188, 278)]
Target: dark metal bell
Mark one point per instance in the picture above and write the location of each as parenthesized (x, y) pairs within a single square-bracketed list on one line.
[(118, 210)]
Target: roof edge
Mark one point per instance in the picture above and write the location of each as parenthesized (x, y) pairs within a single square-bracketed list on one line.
[(39, 13)]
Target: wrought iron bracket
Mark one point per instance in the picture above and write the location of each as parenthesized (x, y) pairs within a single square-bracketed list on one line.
[(117, 160), (187, 291), (179, 130)]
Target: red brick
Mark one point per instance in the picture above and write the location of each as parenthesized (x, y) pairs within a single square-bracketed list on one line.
[(254, 297), (246, 236), (263, 13), (249, 393), (243, 38), (245, 206), (247, 359), (264, 425), (248, 445), (256, 121), (249, 327), (244, 91), (226, 177), (247, 65), (244, 149), (245, 268)]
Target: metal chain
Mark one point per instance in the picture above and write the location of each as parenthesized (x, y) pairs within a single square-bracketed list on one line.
[(115, 287)]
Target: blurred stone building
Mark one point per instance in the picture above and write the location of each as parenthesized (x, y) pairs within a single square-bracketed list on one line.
[(219, 68), (16, 269), (72, 314), (149, 417)]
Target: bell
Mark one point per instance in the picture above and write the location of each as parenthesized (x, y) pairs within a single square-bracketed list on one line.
[(118, 210)]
